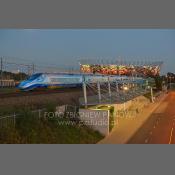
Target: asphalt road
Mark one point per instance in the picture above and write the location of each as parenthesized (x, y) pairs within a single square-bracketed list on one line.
[(160, 127)]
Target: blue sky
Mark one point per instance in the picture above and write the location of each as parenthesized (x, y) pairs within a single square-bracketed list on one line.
[(66, 47)]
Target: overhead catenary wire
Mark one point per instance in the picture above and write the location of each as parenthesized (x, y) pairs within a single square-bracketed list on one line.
[(22, 65)]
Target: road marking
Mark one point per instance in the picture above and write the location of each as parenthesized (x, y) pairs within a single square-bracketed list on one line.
[(171, 135)]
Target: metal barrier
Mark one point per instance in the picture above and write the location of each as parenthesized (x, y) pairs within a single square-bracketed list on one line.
[(10, 120), (116, 97), (6, 121)]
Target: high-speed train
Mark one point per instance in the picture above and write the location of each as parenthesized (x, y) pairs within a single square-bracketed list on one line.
[(46, 80)]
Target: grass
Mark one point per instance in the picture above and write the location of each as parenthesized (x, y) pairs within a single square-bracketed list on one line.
[(30, 129), (7, 110), (7, 90), (10, 109)]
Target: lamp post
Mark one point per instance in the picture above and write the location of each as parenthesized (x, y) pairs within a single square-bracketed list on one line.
[(99, 91), (84, 92), (152, 96), (151, 92), (109, 89), (125, 88)]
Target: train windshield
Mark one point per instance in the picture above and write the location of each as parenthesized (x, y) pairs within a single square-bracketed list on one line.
[(33, 77)]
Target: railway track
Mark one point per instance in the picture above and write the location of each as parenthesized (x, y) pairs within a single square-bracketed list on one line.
[(39, 92)]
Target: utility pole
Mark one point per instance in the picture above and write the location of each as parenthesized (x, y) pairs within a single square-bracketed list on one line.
[(28, 70), (1, 72), (33, 68)]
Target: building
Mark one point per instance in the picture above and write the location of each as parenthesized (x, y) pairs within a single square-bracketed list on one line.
[(7, 83), (142, 69)]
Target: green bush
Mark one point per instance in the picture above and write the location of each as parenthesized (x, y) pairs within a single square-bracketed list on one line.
[(31, 129), (50, 107)]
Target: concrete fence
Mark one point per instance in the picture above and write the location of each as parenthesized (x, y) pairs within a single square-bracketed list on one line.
[(96, 119)]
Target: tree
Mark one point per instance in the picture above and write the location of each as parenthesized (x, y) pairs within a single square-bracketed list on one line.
[(158, 82)]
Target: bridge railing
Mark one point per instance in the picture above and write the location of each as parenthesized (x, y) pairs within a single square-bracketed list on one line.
[(116, 97)]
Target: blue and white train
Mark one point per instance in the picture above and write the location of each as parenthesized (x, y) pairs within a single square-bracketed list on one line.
[(46, 80)]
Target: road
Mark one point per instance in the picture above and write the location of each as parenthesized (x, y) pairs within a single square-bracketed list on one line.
[(160, 127)]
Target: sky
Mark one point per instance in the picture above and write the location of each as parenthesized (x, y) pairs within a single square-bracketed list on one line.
[(64, 47)]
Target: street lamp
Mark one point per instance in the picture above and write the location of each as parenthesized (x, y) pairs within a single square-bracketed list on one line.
[(151, 91), (125, 88)]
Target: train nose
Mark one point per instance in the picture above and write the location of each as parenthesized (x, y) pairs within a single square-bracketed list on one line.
[(22, 85)]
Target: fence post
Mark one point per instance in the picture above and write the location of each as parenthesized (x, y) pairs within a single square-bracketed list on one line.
[(84, 92), (14, 118), (39, 112)]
